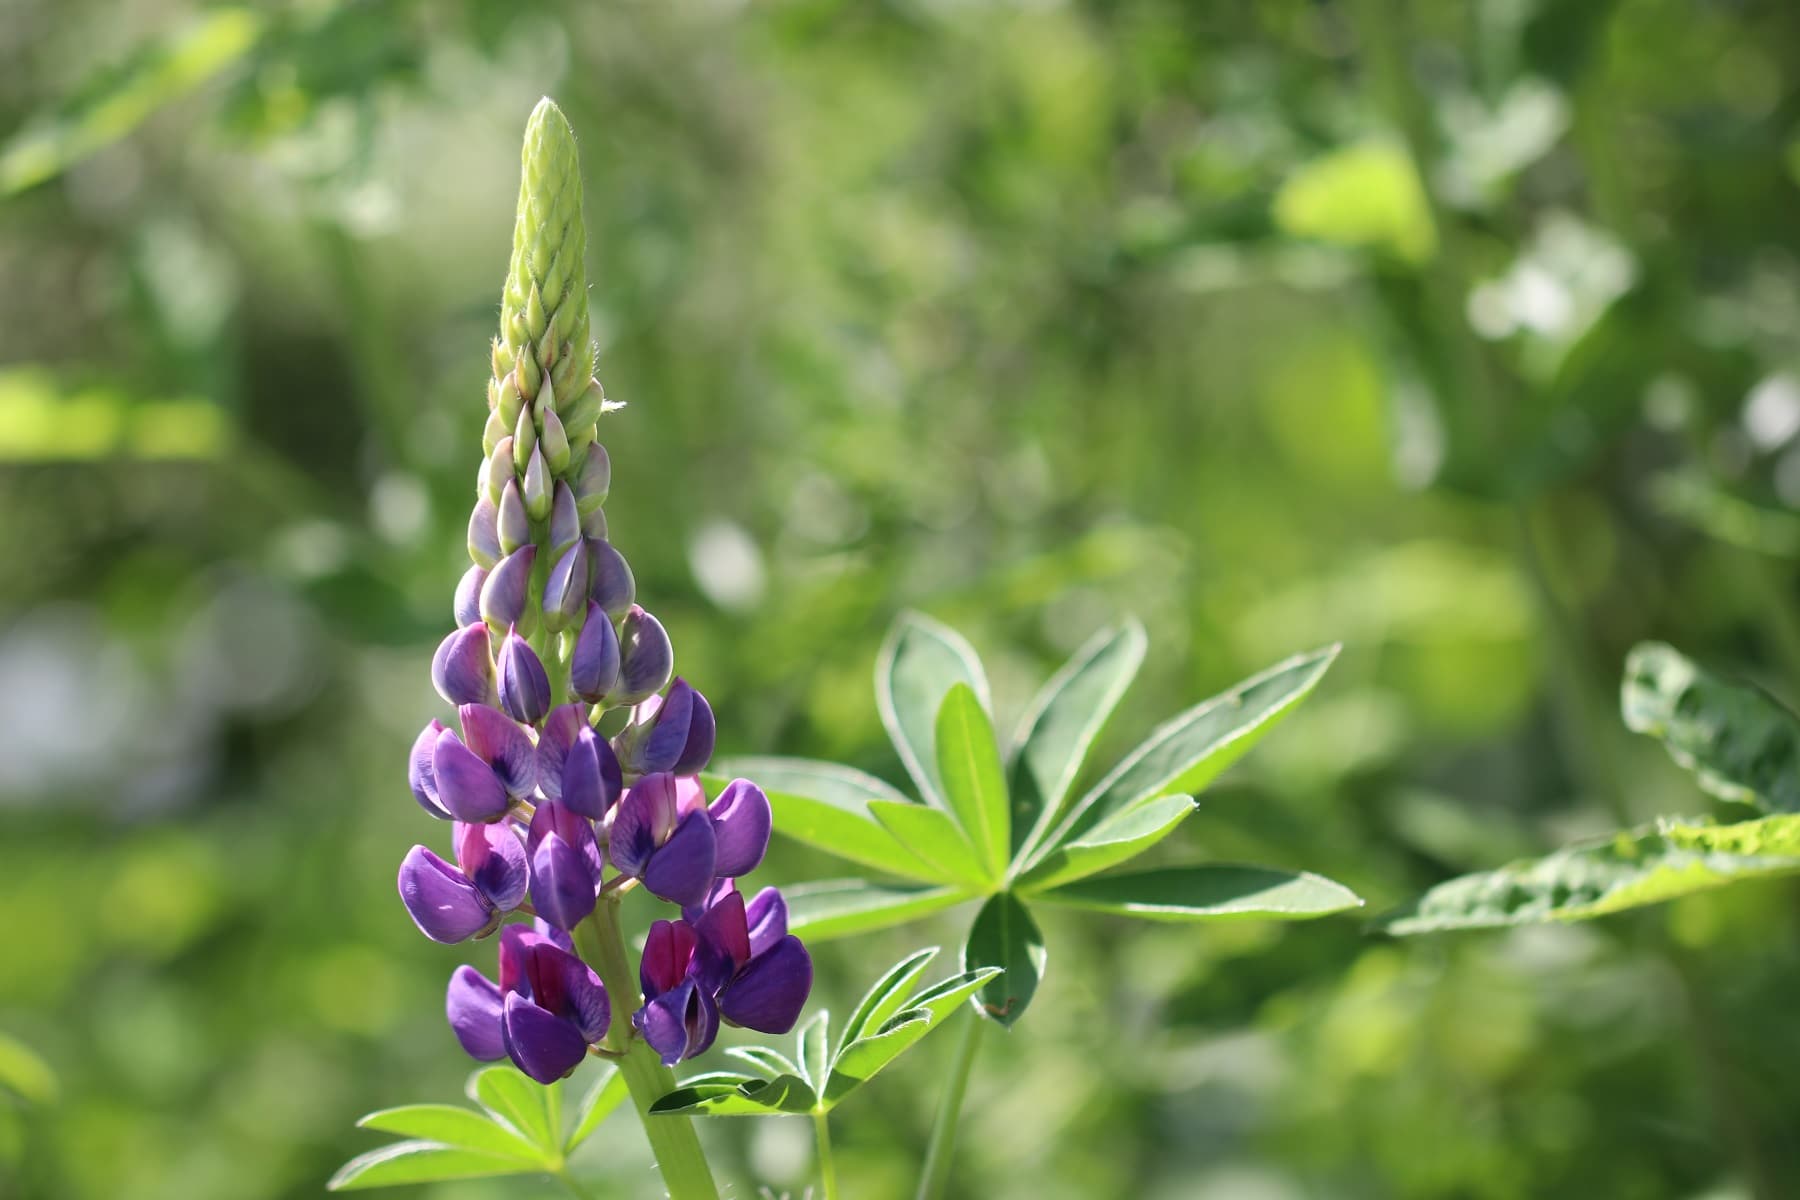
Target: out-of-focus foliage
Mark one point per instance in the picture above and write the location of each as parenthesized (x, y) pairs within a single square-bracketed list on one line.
[(1273, 324)]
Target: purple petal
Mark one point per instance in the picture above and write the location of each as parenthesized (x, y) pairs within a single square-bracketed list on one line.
[(516, 943), (702, 730), (678, 1024), (513, 526), (562, 885), (566, 590), (493, 860), (742, 820), (591, 779), (658, 731), (467, 606), (467, 787), (645, 818), (508, 585), (594, 667), (543, 1046), (722, 887), (443, 904), (524, 686), (667, 951), (613, 587), (565, 986), (723, 941), (560, 730), (484, 536), (420, 775), (767, 917), (767, 995), (462, 670), (646, 658), (472, 1003), (681, 871), (565, 521), (498, 741)]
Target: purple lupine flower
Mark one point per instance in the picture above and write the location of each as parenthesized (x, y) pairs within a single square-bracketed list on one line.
[(742, 822), (679, 1018), (672, 732), (467, 605), (566, 591), (646, 658), (524, 685), (761, 984), (565, 864), (467, 899), (591, 778), (500, 742), (421, 776), (613, 588), (547, 1009), (507, 588), (462, 670), (468, 788), (594, 665), (654, 840)]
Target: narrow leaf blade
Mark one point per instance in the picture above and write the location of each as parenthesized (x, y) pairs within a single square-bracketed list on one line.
[(422, 1162), (768, 1062), (1207, 891), (838, 907), (1122, 836), (452, 1126), (1189, 751), (827, 807), (512, 1097), (919, 663), (1005, 936), (814, 1040), (752, 1098), (606, 1094), (1059, 729), (931, 835), (861, 1058), (884, 999), (968, 761)]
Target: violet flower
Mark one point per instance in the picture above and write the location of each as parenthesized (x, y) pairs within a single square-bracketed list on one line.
[(545, 1012), (453, 902)]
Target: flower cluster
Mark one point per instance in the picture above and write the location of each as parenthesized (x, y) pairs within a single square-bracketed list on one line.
[(549, 641)]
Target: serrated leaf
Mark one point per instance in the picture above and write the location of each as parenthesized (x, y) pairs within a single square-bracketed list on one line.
[(1189, 751), (826, 806), (884, 999), (769, 1062), (836, 907), (1122, 836), (453, 1126), (932, 835), (607, 1093), (1207, 891), (814, 1040), (1060, 727), (968, 761), (1741, 744), (861, 1058), (1005, 936), (752, 1098), (422, 1162), (1592, 879), (512, 1097), (919, 663)]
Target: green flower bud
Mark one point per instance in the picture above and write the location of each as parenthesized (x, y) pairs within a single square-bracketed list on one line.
[(492, 432), (524, 440), (537, 486), (594, 480), (514, 526), (553, 441), (500, 468), (507, 401), (585, 409)]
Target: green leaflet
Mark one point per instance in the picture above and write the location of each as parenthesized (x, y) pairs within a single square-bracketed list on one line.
[(1065, 717), (1124, 835), (815, 1047), (606, 1094), (422, 1162), (453, 1126), (505, 1092), (935, 837), (768, 1062), (836, 907), (919, 663), (969, 767), (1005, 936), (722, 1095), (1627, 870), (1739, 742), (1207, 891), (826, 806), (861, 1058), (1187, 752), (887, 995)]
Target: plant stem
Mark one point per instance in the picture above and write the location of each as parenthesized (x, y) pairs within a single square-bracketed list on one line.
[(563, 1177), (827, 1167), (672, 1138), (943, 1128)]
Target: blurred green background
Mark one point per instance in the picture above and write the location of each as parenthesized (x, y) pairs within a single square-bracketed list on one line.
[(1467, 333)]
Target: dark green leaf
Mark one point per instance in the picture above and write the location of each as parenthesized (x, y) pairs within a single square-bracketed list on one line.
[(1207, 891), (453, 1126), (750, 1098), (1061, 725), (968, 761), (422, 1162), (1121, 836), (826, 806), (835, 907), (1005, 936), (932, 835), (1740, 744), (1627, 870), (606, 1094), (919, 663), (1189, 751)]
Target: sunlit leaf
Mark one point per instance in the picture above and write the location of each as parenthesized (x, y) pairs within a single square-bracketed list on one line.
[(453, 1126), (1060, 727), (1607, 875), (919, 663), (1207, 891), (1122, 836), (814, 1040), (826, 806), (969, 767), (887, 995), (514, 1098), (1364, 195), (932, 835), (608, 1091), (769, 1062), (24, 1074), (1005, 936), (836, 907), (422, 1162), (1740, 744), (748, 1098)]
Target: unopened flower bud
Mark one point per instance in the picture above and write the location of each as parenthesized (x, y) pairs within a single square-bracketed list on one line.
[(537, 485), (508, 587), (508, 401), (484, 533), (512, 525), (528, 375), (591, 776), (468, 596), (462, 670), (524, 441), (646, 657), (492, 432), (566, 591), (524, 685), (594, 525), (499, 469), (554, 442), (585, 409), (612, 586), (594, 666), (672, 733), (594, 480), (565, 520)]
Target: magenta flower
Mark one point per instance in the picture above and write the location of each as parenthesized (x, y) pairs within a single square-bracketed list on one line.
[(547, 1009), (453, 902)]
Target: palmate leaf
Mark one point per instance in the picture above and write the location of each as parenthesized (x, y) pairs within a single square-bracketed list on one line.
[(934, 836), (838, 907), (453, 1126), (1005, 936), (1740, 743), (1189, 751), (861, 1058), (423, 1162), (969, 769), (919, 663), (1122, 836), (1660, 862), (1207, 892), (827, 806)]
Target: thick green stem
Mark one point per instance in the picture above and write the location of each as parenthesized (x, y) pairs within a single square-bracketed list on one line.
[(672, 1138), (828, 1183), (943, 1129)]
